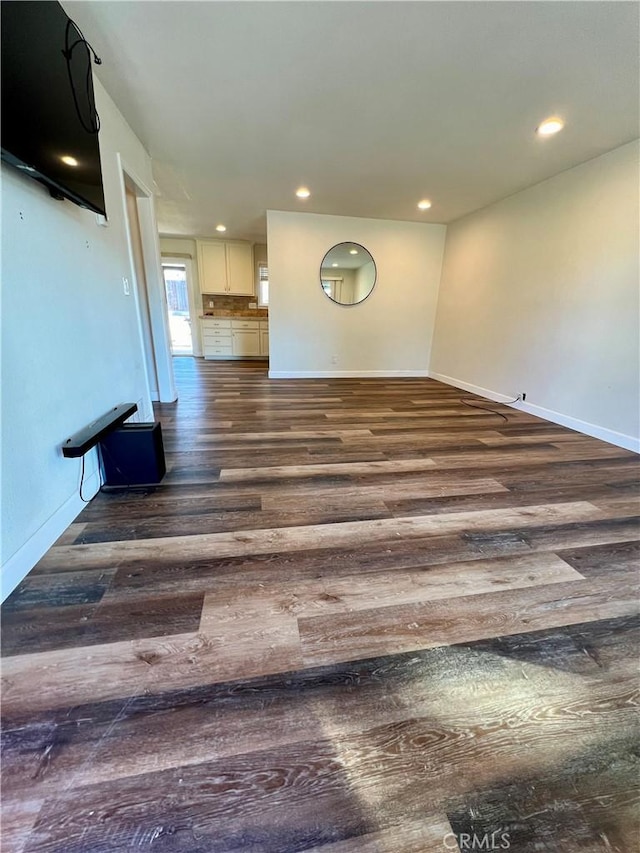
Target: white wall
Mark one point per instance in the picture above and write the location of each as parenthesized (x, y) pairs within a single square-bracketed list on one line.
[(260, 253), (388, 334), (70, 343), (539, 294)]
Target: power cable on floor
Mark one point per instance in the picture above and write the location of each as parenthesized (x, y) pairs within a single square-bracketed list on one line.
[(474, 405), (82, 497)]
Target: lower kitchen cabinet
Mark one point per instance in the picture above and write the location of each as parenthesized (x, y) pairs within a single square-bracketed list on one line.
[(245, 342), (216, 337), (228, 337)]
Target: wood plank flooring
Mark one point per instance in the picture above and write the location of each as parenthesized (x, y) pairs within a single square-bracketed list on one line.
[(357, 616)]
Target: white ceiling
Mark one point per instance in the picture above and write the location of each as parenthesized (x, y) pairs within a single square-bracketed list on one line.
[(372, 105)]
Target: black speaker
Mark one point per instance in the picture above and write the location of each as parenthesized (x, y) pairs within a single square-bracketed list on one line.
[(133, 455)]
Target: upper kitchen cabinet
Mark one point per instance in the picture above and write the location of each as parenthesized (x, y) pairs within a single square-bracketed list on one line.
[(240, 269), (212, 267), (225, 268)]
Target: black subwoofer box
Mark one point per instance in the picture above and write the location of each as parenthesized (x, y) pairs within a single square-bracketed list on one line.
[(133, 455)]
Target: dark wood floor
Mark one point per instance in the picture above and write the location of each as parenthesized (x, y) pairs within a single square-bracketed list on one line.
[(355, 616)]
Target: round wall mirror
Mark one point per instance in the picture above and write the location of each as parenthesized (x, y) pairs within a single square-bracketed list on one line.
[(348, 273)]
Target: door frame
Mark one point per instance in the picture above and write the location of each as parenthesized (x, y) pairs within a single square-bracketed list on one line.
[(154, 283)]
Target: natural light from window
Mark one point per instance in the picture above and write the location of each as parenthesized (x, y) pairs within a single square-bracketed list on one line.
[(263, 285)]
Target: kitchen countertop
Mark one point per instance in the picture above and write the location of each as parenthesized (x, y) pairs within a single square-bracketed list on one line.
[(256, 314)]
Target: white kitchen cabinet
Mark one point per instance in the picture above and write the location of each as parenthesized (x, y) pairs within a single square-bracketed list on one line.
[(240, 269), (236, 337), (246, 337), (264, 340), (216, 338), (212, 267), (253, 325), (225, 268), (216, 324), (246, 343)]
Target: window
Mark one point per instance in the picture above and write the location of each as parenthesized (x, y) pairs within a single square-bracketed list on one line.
[(263, 285)]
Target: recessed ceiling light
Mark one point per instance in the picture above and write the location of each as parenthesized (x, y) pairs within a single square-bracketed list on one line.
[(353, 251), (303, 192), (334, 265), (69, 161), (425, 204), (550, 126), (221, 227)]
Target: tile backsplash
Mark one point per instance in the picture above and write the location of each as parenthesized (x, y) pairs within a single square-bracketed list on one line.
[(232, 303)]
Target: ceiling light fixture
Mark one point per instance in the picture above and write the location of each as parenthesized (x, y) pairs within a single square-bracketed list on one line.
[(425, 204), (221, 227), (68, 160), (550, 126), (303, 192)]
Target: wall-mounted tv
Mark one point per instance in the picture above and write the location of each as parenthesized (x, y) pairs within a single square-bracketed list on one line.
[(49, 121)]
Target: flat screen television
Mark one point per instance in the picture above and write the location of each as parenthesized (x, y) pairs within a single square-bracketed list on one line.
[(49, 122)]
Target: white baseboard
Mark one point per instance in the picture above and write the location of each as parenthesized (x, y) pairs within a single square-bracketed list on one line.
[(474, 389), (236, 358), (619, 439), (18, 566), (345, 374)]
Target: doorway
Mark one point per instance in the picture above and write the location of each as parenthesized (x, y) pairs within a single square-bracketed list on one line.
[(177, 292), (148, 284), (140, 286)]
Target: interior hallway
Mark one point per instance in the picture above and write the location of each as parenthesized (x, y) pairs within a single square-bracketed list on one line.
[(357, 615)]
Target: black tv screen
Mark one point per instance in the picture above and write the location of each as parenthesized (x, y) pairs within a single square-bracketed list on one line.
[(49, 122)]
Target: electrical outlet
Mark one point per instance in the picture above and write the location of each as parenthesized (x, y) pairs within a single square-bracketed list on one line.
[(334, 359), (211, 303), (253, 305), (125, 285)]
